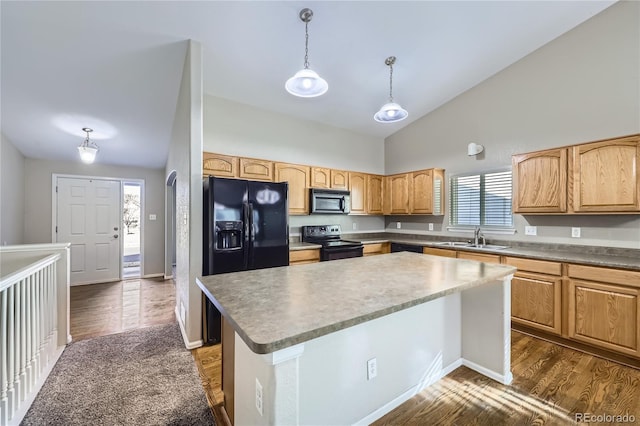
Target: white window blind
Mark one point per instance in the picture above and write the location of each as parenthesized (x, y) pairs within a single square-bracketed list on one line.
[(481, 200)]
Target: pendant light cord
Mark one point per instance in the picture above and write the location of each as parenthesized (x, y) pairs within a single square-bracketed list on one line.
[(306, 44), (391, 83)]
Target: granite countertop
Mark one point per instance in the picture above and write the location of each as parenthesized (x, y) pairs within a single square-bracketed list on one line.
[(620, 258), (303, 246), (274, 308)]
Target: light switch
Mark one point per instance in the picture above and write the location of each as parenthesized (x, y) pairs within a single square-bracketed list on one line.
[(152, 217)]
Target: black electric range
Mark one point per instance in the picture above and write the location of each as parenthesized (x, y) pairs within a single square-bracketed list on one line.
[(333, 246)]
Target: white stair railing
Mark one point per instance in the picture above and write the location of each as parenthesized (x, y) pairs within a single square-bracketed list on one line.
[(34, 322)]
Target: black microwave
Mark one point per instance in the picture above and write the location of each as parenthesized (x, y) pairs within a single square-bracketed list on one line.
[(329, 201)]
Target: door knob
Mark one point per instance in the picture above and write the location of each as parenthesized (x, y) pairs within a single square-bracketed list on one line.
[(115, 235)]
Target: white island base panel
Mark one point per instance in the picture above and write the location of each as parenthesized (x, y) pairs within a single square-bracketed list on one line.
[(324, 380)]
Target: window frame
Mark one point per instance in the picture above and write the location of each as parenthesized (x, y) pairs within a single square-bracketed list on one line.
[(496, 229)]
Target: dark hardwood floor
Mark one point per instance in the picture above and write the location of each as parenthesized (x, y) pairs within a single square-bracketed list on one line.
[(101, 309), (551, 383)]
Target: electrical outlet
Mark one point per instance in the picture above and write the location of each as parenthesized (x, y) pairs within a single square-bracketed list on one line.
[(354, 226), (152, 217), (575, 232), (431, 227), (258, 396), (372, 368), (530, 230), (398, 225)]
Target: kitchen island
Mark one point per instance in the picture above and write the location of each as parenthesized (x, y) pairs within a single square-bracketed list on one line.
[(305, 336)]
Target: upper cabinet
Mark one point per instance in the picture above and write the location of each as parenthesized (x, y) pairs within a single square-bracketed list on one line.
[(398, 193), (320, 177), (606, 176), (339, 179), (358, 188), (219, 165), (418, 192), (298, 178), (597, 177), (540, 182), (375, 194), (256, 169), (426, 196)]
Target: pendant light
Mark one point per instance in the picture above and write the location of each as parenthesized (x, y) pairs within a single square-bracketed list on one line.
[(88, 149), (306, 83), (391, 111)]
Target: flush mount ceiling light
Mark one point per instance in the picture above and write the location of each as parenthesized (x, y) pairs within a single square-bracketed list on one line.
[(306, 83), (88, 149), (391, 111)]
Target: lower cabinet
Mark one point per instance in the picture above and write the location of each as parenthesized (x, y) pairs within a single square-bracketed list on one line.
[(536, 294), (439, 252), (298, 257), (603, 308), (376, 248)]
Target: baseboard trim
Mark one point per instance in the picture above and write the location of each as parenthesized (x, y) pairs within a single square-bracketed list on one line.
[(153, 275), (405, 396), (187, 343), (501, 378)]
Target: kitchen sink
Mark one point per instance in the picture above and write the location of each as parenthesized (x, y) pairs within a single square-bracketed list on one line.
[(452, 243), (470, 245), (486, 246)]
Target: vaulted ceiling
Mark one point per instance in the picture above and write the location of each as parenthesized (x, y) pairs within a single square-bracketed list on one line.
[(116, 66)]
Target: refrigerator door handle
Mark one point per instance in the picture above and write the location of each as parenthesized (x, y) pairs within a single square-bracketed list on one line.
[(247, 231), (252, 236)]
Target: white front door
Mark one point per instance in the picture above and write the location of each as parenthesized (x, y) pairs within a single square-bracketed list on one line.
[(88, 217)]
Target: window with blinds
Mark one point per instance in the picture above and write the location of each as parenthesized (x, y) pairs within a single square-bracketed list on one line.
[(481, 200)]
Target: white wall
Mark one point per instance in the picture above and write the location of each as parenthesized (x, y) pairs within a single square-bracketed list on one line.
[(243, 130), (583, 86), (186, 150), (38, 202), (11, 194)]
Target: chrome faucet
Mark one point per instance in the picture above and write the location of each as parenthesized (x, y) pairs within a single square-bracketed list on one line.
[(477, 234)]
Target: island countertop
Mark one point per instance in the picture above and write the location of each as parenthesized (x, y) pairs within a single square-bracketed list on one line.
[(272, 309)]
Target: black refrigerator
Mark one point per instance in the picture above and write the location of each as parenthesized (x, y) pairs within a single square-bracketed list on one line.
[(246, 226)]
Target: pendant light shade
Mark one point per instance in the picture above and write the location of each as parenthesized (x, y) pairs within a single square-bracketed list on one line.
[(306, 83), (390, 112), (88, 149)]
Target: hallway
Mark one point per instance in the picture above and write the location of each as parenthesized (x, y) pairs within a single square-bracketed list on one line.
[(108, 308)]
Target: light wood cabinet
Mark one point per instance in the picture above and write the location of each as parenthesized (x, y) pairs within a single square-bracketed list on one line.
[(603, 308), (540, 182), (597, 177), (426, 196), (480, 257), (339, 179), (376, 248), (298, 178), (299, 257), (358, 188), (375, 194), (320, 177), (256, 169), (219, 165), (439, 252), (398, 193), (536, 294), (606, 177)]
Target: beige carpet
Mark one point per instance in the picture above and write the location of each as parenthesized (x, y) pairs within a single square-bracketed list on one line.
[(140, 377)]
